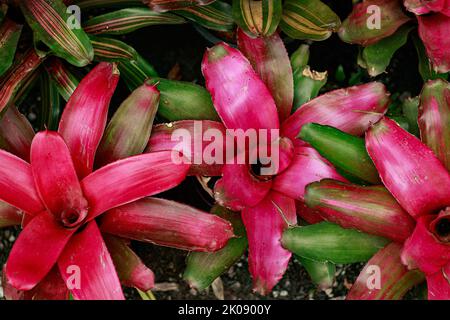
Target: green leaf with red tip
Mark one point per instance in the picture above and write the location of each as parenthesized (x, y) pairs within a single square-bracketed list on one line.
[(131, 270), (434, 118), (128, 20), (321, 273), (215, 16), (184, 101), (345, 151), (17, 76), (376, 57), (270, 60), (410, 109), (167, 5), (394, 278), (203, 268), (300, 57), (307, 85), (371, 21), (51, 104), (179, 100), (9, 38), (128, 131), (62, 78), (329, 242), (49, 20), (308, 20), (257, 17), (369, 209)]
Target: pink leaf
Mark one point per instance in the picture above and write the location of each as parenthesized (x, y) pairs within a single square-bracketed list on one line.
[(408, 168), (84, 118), (36, 251), (168, 223), (133, 178), (241, 98), (351, 110), (265, 224), (86, 256), (56, 179)]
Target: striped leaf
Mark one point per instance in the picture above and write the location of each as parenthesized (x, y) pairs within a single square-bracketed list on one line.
[(17, 76), (128, 20), (49, 21), (258, 17), (308, 19), (51, 104), (9, 37), (26, 87), (166, 5), (112, 50), (95, 4), (216, 16), (63, 79)]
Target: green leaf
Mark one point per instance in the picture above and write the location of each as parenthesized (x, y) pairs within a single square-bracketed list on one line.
[(308, 19), (184, 101), (300, 57), (329, 242), (410, 108), (178, 101), (257, 17), (49, 21), (307, 85), (345, 151), (215, 16), (128, 20), (9, 38), (204, 267), (376, 57), (321, 273)]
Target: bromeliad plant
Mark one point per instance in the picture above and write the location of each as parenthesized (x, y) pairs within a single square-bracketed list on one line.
[(252, 93), (410, 208), (81, 191)]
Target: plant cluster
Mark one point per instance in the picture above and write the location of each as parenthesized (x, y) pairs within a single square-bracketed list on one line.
[(334, 176)]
